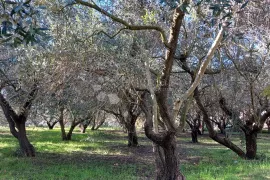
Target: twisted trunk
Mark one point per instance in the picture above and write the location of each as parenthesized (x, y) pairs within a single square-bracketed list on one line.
[(167, 166), (25, 146), (18, 121), (164, 143)]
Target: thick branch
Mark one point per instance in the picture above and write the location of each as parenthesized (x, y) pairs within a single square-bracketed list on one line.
[(173, 41), (200, 73), (212, 133), (10, 115), (27, 105)]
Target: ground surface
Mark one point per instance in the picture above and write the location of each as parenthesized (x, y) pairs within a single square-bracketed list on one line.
[(103, 154)]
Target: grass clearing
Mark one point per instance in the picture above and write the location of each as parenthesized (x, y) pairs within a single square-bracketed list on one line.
[(103, 154)]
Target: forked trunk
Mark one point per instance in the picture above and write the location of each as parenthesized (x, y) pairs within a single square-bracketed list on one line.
[(97, 124), (132, 136), (167, 166), (251, 145), (25, 146), (51, 126), (18, 121)]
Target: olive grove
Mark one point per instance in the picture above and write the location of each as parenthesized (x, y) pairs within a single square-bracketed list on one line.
[(172, 63)]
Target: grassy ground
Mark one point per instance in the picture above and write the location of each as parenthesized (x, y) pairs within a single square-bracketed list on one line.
[(103, 154)]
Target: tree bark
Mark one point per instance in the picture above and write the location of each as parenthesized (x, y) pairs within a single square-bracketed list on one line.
[(26, 147), (62, 125), (194, 129), (251, 144), (69, 134), (167, 166), (194, 135), (132, 135)]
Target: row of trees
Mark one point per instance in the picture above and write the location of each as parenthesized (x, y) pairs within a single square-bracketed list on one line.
[(139, 58)]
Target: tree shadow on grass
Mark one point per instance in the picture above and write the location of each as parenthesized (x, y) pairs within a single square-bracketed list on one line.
[(79, 159)]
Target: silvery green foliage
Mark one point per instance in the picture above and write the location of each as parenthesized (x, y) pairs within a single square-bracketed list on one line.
[(21, 23)]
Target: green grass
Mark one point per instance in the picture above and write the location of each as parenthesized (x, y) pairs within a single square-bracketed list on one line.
[(218, 162), (103, 154)]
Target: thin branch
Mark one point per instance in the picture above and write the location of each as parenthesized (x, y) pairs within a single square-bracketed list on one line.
[(125, 23), (111, 36)]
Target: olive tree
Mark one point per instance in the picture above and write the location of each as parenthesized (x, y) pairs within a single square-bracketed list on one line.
[(157, 104)]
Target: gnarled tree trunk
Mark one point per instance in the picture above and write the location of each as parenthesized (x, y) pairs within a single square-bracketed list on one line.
[(167, 165), (18, 121), (195, 128), (251, 144), (167, 160), (25, 146)]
